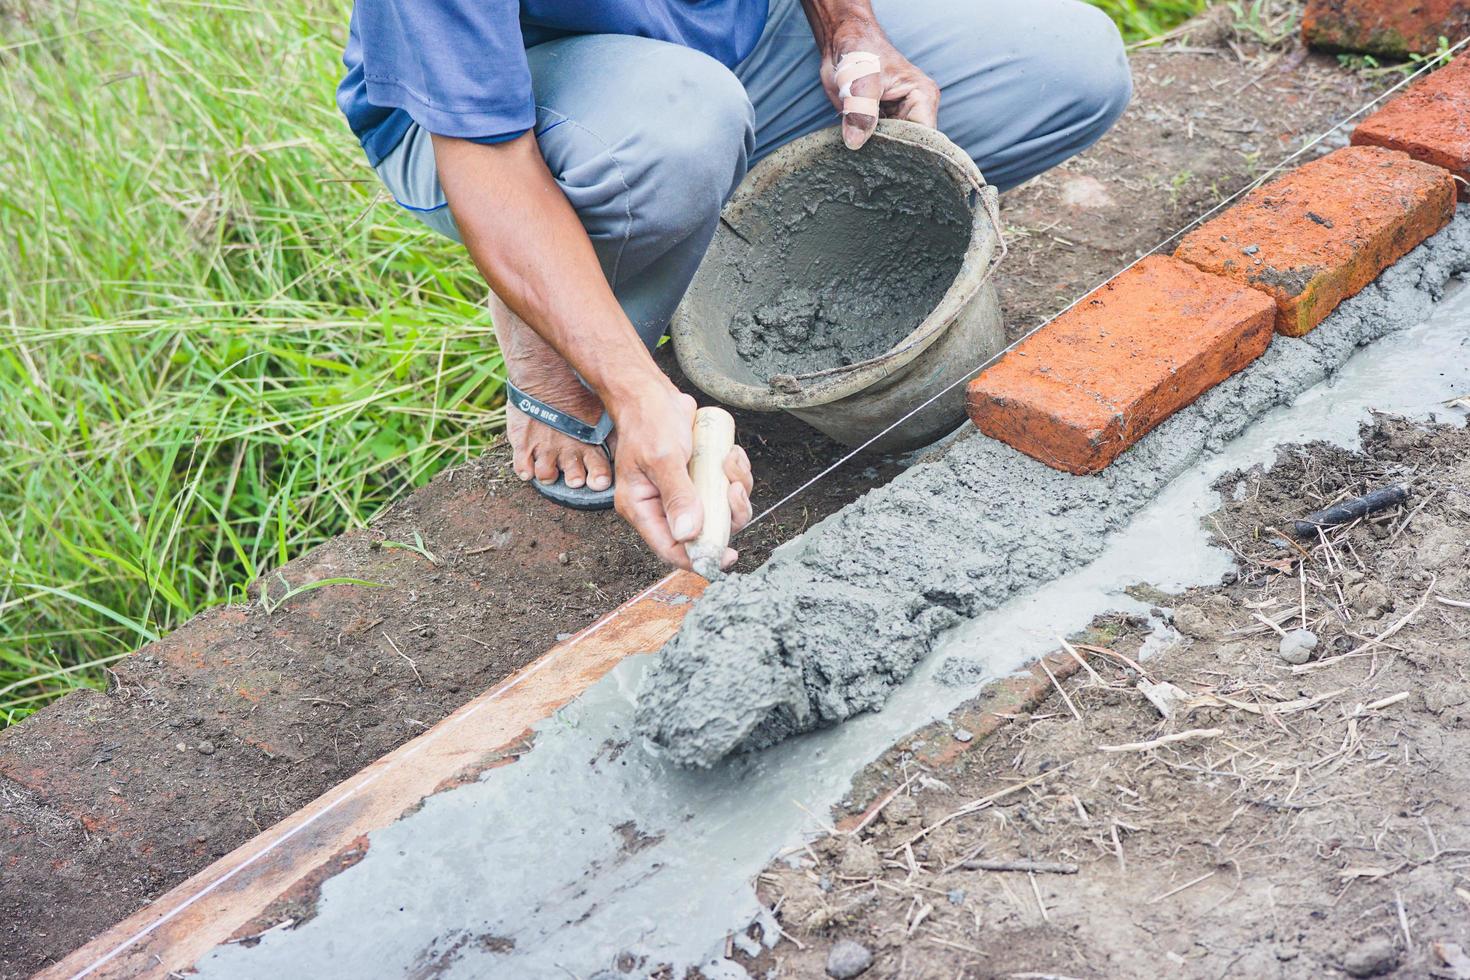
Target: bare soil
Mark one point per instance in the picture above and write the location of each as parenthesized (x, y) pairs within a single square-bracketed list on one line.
[(1311, 819), (244, 715)]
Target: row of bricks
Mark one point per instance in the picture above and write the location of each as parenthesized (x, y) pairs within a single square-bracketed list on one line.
[(1395, 28), (1095, 380)]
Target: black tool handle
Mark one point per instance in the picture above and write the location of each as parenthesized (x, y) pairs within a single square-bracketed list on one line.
[(1351, 510)]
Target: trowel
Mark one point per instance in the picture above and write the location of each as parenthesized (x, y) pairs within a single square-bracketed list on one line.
[(714, 437)]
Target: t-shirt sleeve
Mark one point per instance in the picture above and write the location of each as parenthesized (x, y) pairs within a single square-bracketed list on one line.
[(458, 67)]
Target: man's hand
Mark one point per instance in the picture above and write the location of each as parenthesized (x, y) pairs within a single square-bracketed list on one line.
[(533, 251), (843, 27), (654, 493)]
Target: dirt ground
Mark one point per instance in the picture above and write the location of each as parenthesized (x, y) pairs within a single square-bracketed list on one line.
[(1310, 819), (244, 715)]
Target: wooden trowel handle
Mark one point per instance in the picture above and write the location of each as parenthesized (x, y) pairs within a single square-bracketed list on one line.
[(714, 437)]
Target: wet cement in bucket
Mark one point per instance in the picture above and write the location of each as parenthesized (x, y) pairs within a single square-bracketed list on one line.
[(851, 253)]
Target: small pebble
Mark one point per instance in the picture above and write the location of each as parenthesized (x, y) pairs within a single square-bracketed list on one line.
[(848, 959), (963, 735), (1370, 598), (205, 747), (1371, 958), (1191, 620), (1297, 646), (901, 810), (956, 896), (1250, 249), (859, 860), (564, 558)]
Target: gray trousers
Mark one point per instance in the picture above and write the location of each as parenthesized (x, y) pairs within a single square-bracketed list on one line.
[(648, 139)]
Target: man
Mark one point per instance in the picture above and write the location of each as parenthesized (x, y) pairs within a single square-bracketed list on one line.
[(581, 150)]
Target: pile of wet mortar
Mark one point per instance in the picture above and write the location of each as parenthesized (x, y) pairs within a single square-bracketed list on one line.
[(854, 251), (837, 619)]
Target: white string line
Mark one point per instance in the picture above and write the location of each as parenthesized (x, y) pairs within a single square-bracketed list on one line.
[(1428, 64)]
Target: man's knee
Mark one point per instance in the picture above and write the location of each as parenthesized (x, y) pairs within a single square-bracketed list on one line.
[(694, 146), (1055, 78), (1095, 71)]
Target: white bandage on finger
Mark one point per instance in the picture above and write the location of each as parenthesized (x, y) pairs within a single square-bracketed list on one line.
[(853, 66)]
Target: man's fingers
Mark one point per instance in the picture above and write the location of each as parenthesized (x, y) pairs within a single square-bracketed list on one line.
[(740, 509), (859, 81), (647, 516), (856, 128), (921, 106), (737, 469), (682, 508)]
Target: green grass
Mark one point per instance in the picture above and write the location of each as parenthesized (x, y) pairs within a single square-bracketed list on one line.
[(219, 343), (1142, 19)]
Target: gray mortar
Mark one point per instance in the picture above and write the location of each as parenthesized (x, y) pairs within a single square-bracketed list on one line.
[(963, 672), (857, 252), (835, 621)]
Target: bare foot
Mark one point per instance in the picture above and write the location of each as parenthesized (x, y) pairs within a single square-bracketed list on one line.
[(537, 450)]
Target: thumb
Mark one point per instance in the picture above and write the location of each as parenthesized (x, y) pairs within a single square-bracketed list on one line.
[(859, 77), (681, 506)]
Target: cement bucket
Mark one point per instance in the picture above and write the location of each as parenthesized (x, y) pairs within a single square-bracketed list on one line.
[(897, 242)]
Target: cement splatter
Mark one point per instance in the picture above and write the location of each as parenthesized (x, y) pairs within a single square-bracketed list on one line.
[(856, 250), (836, 620)]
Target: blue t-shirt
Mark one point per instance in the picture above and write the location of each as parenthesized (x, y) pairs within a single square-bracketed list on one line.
[(458, 67)]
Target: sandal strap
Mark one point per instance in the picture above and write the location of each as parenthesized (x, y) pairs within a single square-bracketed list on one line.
[(593, 435)]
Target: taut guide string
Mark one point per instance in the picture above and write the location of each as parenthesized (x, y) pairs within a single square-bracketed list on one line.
[(1367, 106)]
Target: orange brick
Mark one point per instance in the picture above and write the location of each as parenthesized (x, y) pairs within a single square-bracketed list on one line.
[(1324, 231), (1388, 27), (1429, 122), (1091, 383)]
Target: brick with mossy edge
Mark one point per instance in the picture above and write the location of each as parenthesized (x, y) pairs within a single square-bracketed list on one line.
[(1395, 28), (1325, 230), (1430, 122), (1091, 383)]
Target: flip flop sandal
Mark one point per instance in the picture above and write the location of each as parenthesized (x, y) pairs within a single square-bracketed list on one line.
[(577, 498)]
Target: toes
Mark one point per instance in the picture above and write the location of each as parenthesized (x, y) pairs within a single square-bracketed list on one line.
[(572, 470), (545, 466), (599, 470), (520, 461)]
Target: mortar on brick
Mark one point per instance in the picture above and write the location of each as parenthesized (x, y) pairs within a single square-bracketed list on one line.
[(1322, 232), (836, 620), (1430, 122), (1095, 380)]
